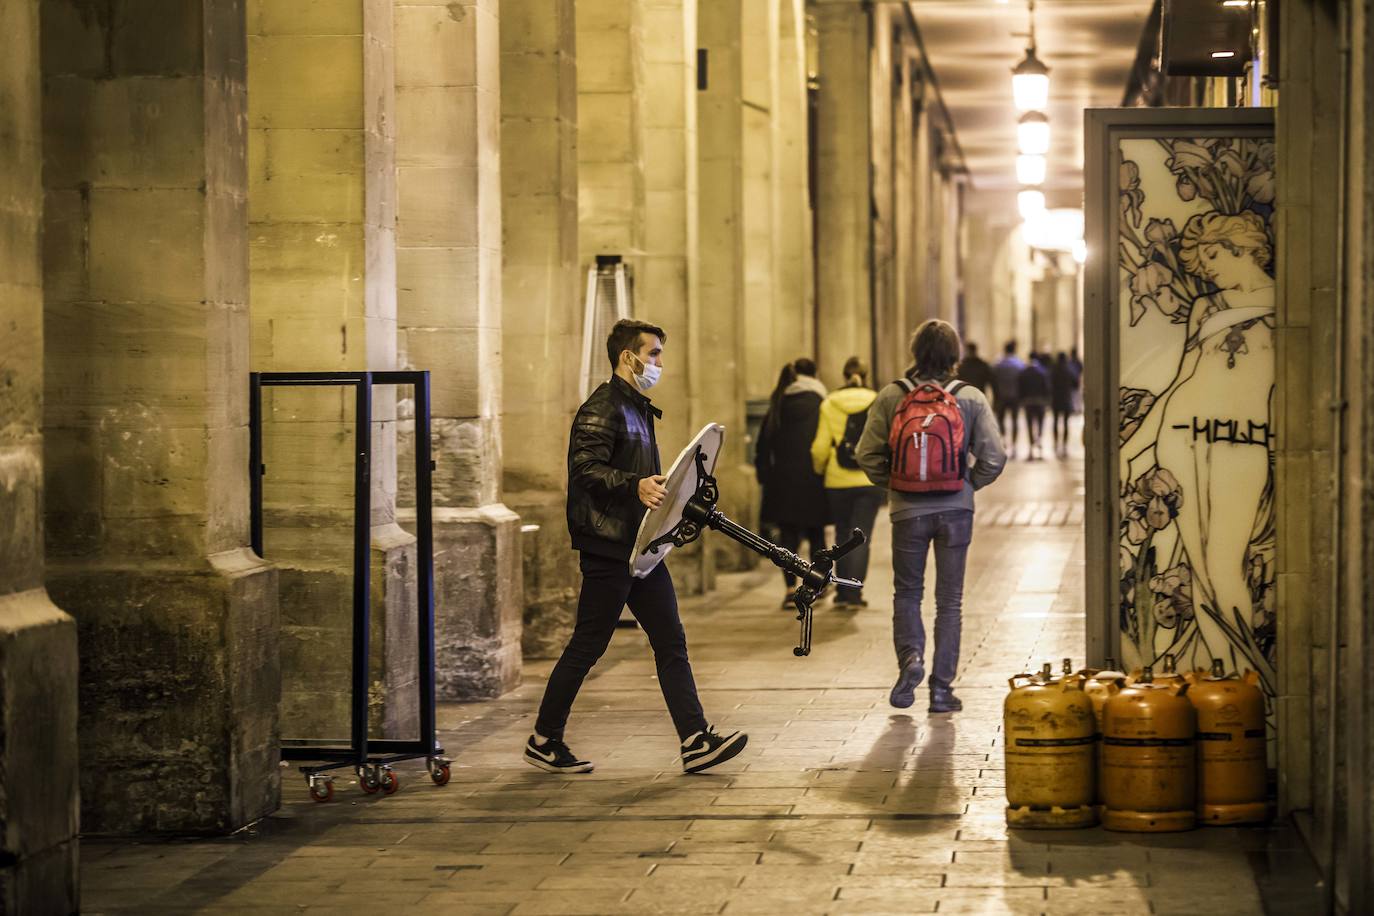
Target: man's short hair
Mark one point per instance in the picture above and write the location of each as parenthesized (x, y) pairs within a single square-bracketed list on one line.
[(625, 336), (805, 366), (935, 348)]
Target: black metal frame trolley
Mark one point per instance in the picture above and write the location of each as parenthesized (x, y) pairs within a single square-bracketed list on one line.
[(371, 759)]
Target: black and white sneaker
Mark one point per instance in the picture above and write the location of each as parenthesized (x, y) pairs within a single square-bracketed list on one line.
[(554, 756), (706, 749)]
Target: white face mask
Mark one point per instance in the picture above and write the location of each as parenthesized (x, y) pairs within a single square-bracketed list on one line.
[(649, 378)]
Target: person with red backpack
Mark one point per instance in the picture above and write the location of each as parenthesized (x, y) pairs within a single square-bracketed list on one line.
[(932, 441), (851, 496)]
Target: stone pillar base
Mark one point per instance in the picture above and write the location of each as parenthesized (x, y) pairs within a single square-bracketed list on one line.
[(550, 572), (478, 598), (38, 756), (180, 686)]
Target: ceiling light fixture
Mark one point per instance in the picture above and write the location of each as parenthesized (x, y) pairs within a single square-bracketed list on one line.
[(1030, 203), (1235, 2), (1030, 169), (1033, 134), (1222, 55), (1030, 79)]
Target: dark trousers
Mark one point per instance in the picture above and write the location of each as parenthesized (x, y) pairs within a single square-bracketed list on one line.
[(950, 532), (854, 507), (1061, 428), (791, 537), (1035, 423), (607, 587), (1008, 410)]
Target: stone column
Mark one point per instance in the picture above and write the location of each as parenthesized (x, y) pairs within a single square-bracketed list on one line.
[(448, 147), (1306, 218), (146, 354), (722, 216), (322, 211), (541, 291), (844, 302), (637, 187), (793, 268), (38, 667)]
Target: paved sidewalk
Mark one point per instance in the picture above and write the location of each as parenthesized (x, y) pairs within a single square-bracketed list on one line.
[(840, 804)]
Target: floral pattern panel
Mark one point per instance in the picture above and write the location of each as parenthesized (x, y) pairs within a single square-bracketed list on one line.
[(1195, 299)]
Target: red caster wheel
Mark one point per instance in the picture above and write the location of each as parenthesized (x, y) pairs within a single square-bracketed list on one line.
[(368, 781), (322, 790), (390, 783), (440, 774)]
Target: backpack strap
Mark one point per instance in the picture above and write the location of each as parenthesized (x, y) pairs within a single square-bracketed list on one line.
[(907, 383), (954, 388)]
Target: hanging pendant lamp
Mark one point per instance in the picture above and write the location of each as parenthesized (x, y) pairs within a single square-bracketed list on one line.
[(1030, 79)]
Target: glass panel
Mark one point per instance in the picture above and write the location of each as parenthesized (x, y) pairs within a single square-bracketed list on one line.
[(308, 445)]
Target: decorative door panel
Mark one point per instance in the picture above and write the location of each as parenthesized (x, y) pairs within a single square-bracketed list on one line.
[(1180, 314)]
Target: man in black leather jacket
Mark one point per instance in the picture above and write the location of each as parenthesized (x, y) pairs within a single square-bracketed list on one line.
[(613, 478)]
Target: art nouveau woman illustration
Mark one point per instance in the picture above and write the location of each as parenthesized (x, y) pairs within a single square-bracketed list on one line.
[(1208, 434)]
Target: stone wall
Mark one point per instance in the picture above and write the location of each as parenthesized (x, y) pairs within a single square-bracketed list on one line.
[(38, 670), (146, 441)]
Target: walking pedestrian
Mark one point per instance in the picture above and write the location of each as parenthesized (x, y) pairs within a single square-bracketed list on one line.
[(1076, 365), (931, 477), (852, 498), (975, 370), (1033, 391), (614, 477), (1006, 376), (793, 493), (1063, 390)]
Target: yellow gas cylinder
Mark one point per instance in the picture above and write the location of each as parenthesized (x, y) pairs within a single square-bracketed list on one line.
[(1099, 684), (1232, 769), (1049, 731), (1149, 771), (1167, 673)]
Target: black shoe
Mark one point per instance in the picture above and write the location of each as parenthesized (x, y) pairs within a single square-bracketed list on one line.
[(942, 699), (706, 749), (904, 691), (554, 756)]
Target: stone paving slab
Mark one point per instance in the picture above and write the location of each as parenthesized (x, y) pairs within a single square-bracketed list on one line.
[(840, 804)]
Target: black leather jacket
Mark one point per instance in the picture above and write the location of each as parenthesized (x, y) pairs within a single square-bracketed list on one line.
[(611, 448)]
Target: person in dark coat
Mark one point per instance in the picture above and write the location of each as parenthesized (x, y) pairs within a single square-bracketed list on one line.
[(1063, 389), (1033, 392), (974, 370), (793, 493)]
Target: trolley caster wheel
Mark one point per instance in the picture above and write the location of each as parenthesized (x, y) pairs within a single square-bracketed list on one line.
[(322, 790), (439, 770), (369, 780), (389, 782)]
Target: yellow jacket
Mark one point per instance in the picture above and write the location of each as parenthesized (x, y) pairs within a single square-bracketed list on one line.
[(835, 412)]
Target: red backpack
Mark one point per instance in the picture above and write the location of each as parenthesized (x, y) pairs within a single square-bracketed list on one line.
[(927, 440)]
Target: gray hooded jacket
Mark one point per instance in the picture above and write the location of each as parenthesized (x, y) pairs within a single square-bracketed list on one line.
[(982, 445)]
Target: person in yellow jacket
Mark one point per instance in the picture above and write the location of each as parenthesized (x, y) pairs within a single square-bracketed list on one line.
[(852, 498)]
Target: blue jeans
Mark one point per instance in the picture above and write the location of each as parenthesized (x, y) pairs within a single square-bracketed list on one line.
[(854, 507), (911, 538)]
